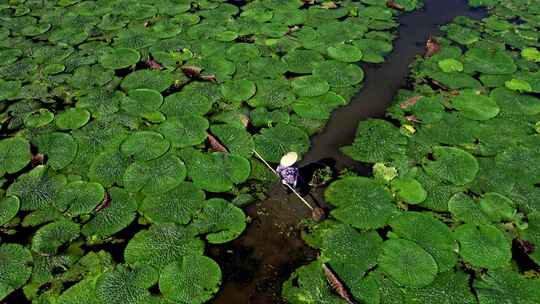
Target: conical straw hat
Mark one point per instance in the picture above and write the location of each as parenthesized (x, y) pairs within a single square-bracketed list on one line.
[(289, 159)]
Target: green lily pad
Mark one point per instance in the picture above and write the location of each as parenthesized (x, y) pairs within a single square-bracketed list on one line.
[(122, 285), (216, 172), (79, 197), (407, 263), (38, 118), (361, 202), (14, 154), (108, 168), (474, 106), (142, 101), (506, 285), (302, 61), (518, 85), (113, 218), (319, 107), (155, 176), (144, 145), (175, 206), (148, 79), (119, 58), (466, 210), (9, 206), (453, 165), (15, 261), (309, 86), (273, 143), (431, 234), (489, 61), (339, 74), (531, 54), (9, 89), (50, 237), (177, 279), (376, 141), (409, 190), (184, 131), (450, 65), (497, 207), (37, 189), (449, 287), (220, 220), (72, 118), (235, 138), (238, 90), (483, 246), (186, 103), (161, 245), (272, 94), (60, 148), (345, 53)]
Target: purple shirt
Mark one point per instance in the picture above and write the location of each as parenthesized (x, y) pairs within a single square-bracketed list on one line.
[(289, 175)]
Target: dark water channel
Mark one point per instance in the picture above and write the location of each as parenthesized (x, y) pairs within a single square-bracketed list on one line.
[(256, 264)]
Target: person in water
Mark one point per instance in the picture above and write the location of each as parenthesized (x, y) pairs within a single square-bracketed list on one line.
[(287, 171)]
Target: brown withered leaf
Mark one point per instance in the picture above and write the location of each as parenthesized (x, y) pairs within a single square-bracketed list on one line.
[(409, 102), (432, 47), (244, 120), (318, 214), (396, 6), (412, 118), (440, 85), (336, 284), (215, 145), (191, 71), (37, 159), (211, 78), (154, 65)]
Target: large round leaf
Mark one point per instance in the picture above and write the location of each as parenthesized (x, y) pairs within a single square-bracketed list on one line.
[(184, 131), (483, 246), (361, 202), (119, 58), (60, 148), (339, 74), (15, 268), (144, 145), (79, 197), (9, 206), (186, 103), (474, 106), (14, 154), (50, 237), (407, 263), (148, 79), (194, 279), (72, 118), (175, 206), (220, 220), (452, 164), (273, 143), (309, 86), (123, 286), (155, 176), (238, 90)]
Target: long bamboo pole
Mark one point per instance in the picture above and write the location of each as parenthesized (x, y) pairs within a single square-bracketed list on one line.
[(289, 186)]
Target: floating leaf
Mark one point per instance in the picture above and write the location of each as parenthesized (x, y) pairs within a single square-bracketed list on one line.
[(272, 143), (108, 168), (483, 246), (148, 79), (38, 118), (345, 53), (220, 220), (142, 101), (37, 189), (60, 148), (155, 176), (216, 172), (175, 206), (339, 74), (238, 90), (452, 164), (465, 209), (9, 89), (9, 206), (506, 285), (194, 279), (309, 86), (16, 270), (409, 190), (119, 58), (450, 65), (497, 207), (144, 145), (72, 118), (518, 85), (14, 154), (361, 202), (407, 263), (186, 103), (236, 139), (115, 217), (124, 286), (449, 288), (79, 197), (319, 107), (489, 61), (272, 94), (431, 234), (184, 131), (474, 106), (161, 245), (50, 237), (531, 54)]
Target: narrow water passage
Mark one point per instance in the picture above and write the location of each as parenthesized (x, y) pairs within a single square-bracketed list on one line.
[(382, 81), (256, 264)]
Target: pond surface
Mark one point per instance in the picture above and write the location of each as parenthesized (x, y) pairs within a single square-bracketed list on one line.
[(256, 264)]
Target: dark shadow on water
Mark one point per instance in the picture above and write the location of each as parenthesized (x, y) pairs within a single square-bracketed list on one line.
[(256, 264)]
